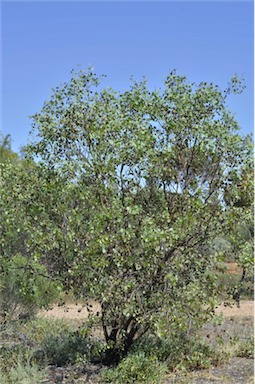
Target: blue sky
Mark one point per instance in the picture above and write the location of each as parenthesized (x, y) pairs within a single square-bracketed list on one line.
[(43, 41)]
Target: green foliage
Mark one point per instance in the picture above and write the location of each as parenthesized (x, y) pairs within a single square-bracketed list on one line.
[(68, 348), (246, 348), (240, 229), (18, 366), (24, 289), (235, 286), (13, 355), (126, 199), (199, 355), (152, 357), (23, 374), (62, 344), (182, 352), (6, 153), (136, 368), (25, 284), (40, 328)]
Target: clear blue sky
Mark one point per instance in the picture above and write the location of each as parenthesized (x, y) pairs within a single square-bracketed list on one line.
[(43, 41)]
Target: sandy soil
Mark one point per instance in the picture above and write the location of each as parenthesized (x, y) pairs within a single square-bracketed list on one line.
[(246, 308), (79, 312), (71, 311), (237, 371)]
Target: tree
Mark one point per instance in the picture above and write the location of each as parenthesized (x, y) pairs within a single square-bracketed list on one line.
[(240, 230), (25, 282), (143, 175), (6, 153)]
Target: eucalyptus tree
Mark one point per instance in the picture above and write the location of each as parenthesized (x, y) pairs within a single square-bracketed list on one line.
[(145, 175)]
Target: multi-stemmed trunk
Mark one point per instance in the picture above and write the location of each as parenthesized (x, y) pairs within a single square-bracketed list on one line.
[(120, 336)]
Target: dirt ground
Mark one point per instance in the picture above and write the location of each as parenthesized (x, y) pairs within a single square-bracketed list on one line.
[(237, 371), (246, 308), (80, 312), (71, 311)]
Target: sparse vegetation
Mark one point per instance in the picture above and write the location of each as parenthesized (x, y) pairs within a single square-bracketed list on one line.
[(23, 374), (183, 352), (246, 348), (18, 364), (136, 368), (36, 343)]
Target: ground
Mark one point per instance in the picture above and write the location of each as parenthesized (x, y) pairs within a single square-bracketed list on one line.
[(80, 312), (236, 322)]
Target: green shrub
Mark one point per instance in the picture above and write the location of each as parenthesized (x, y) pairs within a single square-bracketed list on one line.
[(23, 290), (19, 364), (152, 356), (231, 283), (12, 355), (13, 305), (66, 348), (23, 374), (136, 368), (181, 352), (199, 355), (152, 345), (60, 342), (246, 348), (41, 328)]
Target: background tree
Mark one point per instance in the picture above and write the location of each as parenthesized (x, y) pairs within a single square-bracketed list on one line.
[(137, 199), (6, 153), (239, 196), (240, 230), (25, 282)]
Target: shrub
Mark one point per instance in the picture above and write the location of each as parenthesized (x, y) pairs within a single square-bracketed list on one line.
[(13, 304), (41, 328), (23, 374), (136, 368), (60, 342), (246, 348), (231, 284), (12, 355), (23, 291), (182, 352), (199, 355), (67, 348), (19, 364)]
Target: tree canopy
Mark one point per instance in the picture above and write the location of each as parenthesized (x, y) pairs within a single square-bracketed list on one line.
[(131, 190)]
